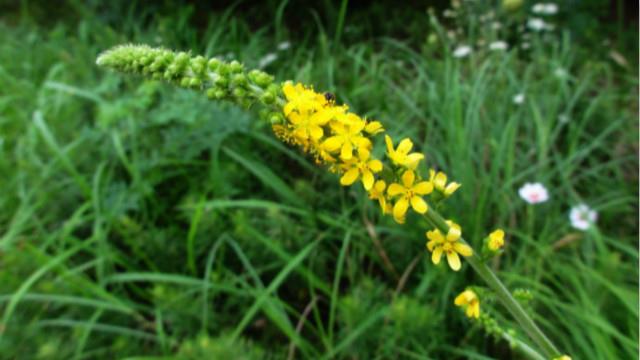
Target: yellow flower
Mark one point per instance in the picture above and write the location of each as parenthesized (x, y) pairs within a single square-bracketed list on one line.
[(449, 245), (563, 357), (496, 240), (305, 126), (374, 127), (348, 135), (469, 299), (401, 155), (440, 183), (377, 193), (361, 167), (409, 194), (301, 99)]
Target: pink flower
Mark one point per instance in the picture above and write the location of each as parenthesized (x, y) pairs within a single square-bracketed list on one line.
[(582, 217), (534, 193)]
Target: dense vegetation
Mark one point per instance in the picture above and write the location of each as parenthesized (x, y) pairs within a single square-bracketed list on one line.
[(141, 220)]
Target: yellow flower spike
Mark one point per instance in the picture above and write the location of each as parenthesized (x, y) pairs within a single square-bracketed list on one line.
[(377, 193), (401, 155), (347, 136), (374, 127), (363, 168), (440, 183), (410, 194), (450, 245), (470, 301), (496, 240)]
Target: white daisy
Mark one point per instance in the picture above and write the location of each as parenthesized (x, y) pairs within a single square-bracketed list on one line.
[(498, 45), (582, 217), (536, 24), (563, 119), (462, 51), (534, 193), (518, 98), (560, 73), (545, 9), (284, 45)]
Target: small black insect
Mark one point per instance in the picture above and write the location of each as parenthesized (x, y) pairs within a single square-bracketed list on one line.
[(329, 97)]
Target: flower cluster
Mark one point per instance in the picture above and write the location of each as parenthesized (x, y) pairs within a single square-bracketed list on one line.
[(469, 300), (343, 141), (449, 244), (220, 80)]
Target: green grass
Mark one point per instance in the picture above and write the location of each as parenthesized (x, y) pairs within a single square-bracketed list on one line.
[(142, 221)]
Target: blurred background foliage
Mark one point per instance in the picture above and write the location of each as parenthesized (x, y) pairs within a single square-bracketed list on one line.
[(143, 221)]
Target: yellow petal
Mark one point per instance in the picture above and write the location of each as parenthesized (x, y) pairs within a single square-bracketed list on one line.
[(440, 181), (362, 143), (347, 151), (374, 127), (461, 299), (349, 177), (454, 232), (400, 208), (435, 235), (475, 310), (289, 90), (436, 255), (380, 185), (413, 160), (432, 175), (423, 188), (418, 204), (395, 189), (451, 188), (316, 132), (383, 204), (405, 146), (463, 249), (367, 179), (389, 142), (499, 234), (375, 165), (407, 178), (338, 127), (430, 245), (333, 143), (301, 133), (288, 108), (454, 260), (356, 125), (363, 155)]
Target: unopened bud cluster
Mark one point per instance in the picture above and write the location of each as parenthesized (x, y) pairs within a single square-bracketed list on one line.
[(219, 79)]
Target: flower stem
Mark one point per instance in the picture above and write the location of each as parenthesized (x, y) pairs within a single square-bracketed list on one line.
[(527, 324)]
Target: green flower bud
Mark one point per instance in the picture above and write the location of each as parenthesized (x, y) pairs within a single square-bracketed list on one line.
[(181, 59), (264, 80), (235, 66), (239, 93), (239, 80), (195, 82), (222, 82), (213, 64), (267, 98)]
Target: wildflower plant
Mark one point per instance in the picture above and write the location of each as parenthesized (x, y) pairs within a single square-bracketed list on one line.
[(342, 142)]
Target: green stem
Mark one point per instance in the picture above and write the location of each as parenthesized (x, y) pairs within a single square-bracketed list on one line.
[(527, 324)]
